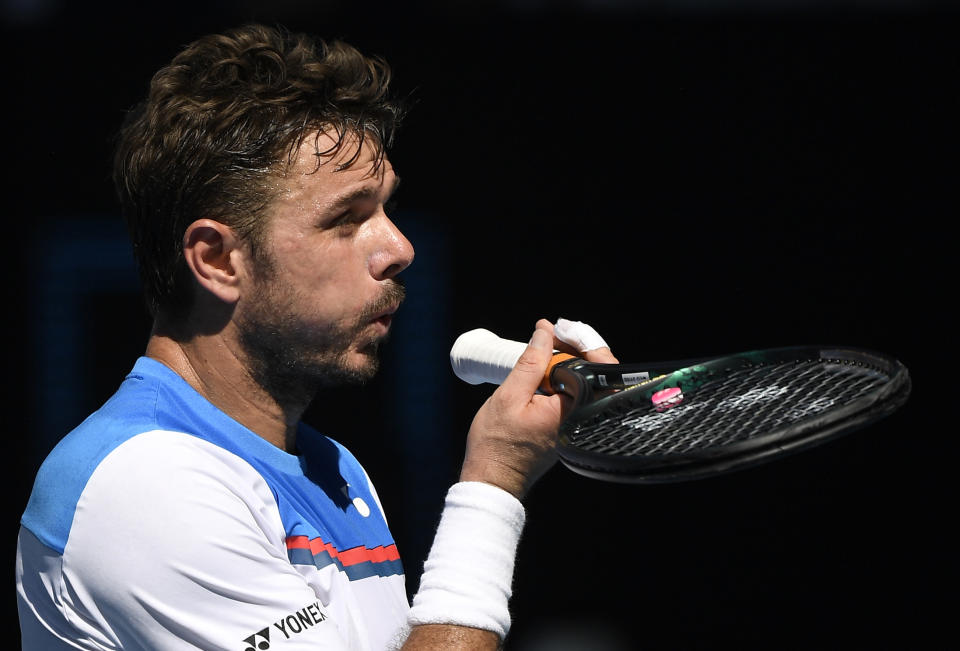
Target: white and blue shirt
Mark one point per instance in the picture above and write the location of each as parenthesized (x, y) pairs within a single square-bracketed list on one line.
[(162, 523)]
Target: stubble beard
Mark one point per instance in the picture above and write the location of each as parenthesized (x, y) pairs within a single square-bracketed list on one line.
[(293, 358)]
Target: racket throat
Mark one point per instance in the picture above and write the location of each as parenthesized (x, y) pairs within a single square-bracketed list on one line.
[(569, 382), (583, 381)]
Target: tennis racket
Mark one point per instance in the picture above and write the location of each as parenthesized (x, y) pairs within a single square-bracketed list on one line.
[(681, 420)]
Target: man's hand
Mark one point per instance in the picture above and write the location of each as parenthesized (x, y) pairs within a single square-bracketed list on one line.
[(512, 441)]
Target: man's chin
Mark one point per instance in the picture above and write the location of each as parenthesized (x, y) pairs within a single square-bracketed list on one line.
[(352, 370), (363, 364)]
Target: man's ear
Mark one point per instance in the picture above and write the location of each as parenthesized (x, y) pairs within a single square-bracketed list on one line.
[(213, 254)]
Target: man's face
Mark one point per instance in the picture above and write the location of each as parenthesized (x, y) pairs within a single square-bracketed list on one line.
[(318, 306)]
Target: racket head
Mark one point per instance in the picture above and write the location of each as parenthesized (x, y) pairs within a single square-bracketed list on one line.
[(720, 415)]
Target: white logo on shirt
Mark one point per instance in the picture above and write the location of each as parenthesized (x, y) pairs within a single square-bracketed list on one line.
[(358, 502)]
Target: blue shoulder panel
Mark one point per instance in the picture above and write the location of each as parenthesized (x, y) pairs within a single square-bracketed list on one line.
[(317, 491)]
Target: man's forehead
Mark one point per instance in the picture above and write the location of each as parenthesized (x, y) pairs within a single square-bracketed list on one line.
[(328, 148), (325, 158), (322, 171)]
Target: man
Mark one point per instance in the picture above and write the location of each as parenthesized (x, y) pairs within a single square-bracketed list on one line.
[(194, 509)]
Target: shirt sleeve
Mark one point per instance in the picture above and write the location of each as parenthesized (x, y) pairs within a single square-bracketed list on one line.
[(178, 544)]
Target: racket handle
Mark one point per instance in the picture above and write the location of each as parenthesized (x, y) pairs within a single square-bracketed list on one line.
[(480, 356)]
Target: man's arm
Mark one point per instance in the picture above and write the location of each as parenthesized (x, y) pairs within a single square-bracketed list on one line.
[(448, 636), (511, 444)]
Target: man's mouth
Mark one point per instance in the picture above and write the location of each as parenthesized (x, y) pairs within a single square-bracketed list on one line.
[(385, 317), (382, 311)]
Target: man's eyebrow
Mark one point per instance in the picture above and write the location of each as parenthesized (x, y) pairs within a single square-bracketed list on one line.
[(359, 194)]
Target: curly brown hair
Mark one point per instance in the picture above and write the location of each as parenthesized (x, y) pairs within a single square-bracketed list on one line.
[(228, 112)]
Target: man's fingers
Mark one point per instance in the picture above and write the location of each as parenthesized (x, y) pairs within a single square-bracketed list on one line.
[(545, 324), (601, 356), (528, 372), (527, 375)]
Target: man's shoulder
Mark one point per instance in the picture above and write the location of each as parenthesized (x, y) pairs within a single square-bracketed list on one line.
[(136, 420), (163, 458)]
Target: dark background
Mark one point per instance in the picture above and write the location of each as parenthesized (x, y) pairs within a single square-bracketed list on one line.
[(691, 178)]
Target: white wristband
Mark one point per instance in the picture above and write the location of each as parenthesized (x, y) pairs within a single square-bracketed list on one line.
[(468, 574)]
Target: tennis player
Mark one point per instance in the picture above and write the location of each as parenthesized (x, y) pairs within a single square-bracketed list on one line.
[(195, 509)]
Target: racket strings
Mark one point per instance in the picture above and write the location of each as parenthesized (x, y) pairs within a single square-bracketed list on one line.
[(727, 409)]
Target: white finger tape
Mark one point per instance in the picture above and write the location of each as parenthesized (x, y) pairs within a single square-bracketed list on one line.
[(579, 335)]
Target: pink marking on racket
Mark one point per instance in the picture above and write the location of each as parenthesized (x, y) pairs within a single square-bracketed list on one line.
[(666, 398)]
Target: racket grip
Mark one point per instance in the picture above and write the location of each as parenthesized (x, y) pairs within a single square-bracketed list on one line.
[(480, 356)]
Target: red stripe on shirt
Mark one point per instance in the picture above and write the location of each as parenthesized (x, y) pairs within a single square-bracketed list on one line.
[(353, 556)]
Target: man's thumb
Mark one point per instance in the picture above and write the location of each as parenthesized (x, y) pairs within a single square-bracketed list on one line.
[(529, 370)]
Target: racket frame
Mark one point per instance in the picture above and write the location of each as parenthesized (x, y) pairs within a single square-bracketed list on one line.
[(585, 382)]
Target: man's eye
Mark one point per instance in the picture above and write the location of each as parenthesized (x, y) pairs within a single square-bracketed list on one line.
[(341, 220)]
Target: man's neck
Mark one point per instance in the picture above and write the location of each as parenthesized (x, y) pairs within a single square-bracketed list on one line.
[(213, 366)]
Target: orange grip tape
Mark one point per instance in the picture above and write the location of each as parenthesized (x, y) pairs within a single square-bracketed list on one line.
[(557, 358)]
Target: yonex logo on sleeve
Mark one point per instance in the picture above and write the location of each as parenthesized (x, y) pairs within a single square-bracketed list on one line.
[(290, 625)]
